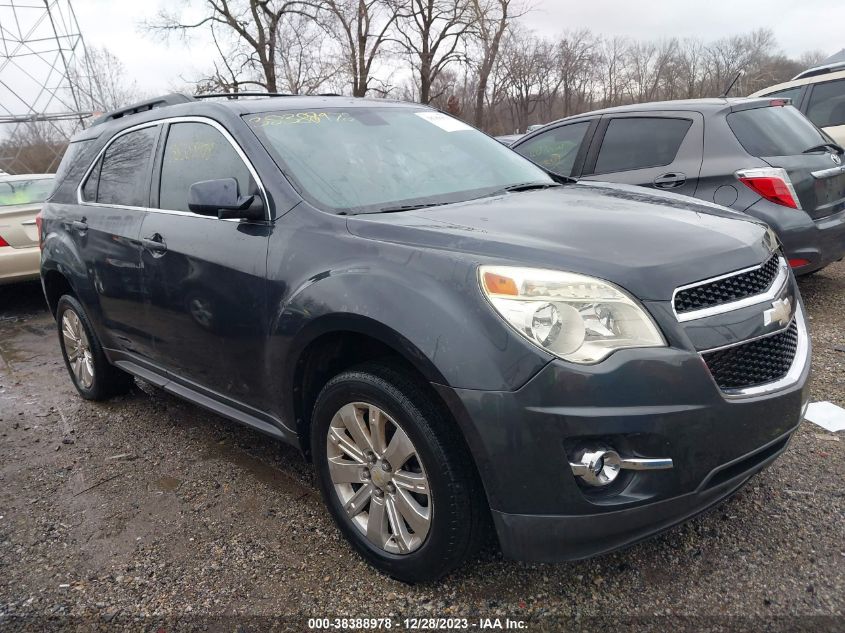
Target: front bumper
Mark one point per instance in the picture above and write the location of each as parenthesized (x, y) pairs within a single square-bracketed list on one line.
[(554, 538), (19, 264), (651, 403)]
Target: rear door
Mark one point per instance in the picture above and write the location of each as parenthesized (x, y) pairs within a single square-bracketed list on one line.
[(782, 136), (105, 225), (660, 149), (826, 108), (205, 278), (560, 149)]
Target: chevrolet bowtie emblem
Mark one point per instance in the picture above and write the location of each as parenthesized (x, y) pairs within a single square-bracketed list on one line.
[(780, 312)]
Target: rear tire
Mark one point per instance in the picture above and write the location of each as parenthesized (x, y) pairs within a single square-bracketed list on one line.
[(416, 536), (91, 373)]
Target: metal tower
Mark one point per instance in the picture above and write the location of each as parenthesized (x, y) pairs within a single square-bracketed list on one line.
[(45, 80)]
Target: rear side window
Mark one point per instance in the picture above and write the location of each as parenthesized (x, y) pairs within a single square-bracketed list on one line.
[(196, 152), (640, 142), (556, 149), (89, 190), (123, 170), (827, 104), (774, 131)]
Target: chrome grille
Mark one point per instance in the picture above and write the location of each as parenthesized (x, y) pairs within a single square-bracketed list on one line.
[(756, 362), (728, 289)]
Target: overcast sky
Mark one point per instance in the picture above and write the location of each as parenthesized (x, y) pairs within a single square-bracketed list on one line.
[(799, 25)]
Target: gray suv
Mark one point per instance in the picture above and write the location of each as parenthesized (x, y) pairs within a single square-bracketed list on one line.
[(448, 332), (759, 156)]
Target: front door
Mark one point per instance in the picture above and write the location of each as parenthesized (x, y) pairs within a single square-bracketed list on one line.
[(204, 278)]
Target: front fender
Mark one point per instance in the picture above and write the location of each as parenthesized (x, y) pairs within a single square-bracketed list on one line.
[(430, 310)]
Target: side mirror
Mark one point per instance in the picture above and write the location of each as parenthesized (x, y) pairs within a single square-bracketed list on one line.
[(221, 198)]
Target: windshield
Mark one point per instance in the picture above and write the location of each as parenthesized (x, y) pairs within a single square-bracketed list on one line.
[(377, 159), (14, 192), (774, 131)]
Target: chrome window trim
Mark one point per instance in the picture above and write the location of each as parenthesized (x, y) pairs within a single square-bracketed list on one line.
[(773, 291), (799, 363), (175, 119)]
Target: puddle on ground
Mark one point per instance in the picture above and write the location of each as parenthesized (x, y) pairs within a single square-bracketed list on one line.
[(263, 472), (167, 484)]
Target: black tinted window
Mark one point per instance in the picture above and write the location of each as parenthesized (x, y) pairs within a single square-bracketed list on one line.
[(640, 142), (827, 104), (196, 152), (123, 173), (774, 131), (556, 149)]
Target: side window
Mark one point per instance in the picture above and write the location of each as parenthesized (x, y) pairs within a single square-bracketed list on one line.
[(89, 190), (196, 152), (827, 104), (123, 170), (789, 93), (556, 149), (640, 142)]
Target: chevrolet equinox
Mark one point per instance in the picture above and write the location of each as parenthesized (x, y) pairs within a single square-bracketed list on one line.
[(455, 337)]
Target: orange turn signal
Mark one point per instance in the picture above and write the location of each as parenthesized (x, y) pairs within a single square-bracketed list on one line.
[(499, 285)]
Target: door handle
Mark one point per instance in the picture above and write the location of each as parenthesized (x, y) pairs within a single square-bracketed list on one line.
[(669, 181), (154, 243), (80, 225)]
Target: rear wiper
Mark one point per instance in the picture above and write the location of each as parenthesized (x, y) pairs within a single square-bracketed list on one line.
[(822, 146)]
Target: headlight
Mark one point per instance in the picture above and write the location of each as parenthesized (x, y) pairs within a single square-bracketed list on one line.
[(578, 318)]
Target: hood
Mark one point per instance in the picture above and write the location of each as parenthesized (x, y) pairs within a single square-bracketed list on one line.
[(648, 243)]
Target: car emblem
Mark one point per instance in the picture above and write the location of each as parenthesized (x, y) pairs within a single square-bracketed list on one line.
[(780, 312), (835, 158)]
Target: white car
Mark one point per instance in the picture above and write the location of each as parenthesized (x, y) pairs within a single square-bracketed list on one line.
[(820, 94)]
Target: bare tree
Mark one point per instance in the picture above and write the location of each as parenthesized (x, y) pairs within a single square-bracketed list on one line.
[(103, 82), (306, 62), (527, 60), (362, 28), (431, 34), (576, 59), (33, 148), (491, 19), (255, 22)]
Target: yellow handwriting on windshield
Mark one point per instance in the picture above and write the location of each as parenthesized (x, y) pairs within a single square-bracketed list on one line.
[(295, 118)]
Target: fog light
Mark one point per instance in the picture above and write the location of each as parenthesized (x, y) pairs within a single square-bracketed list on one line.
[(600, 466)]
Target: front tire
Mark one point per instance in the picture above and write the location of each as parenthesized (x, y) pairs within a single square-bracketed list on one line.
[(90, 371), (394, 474)]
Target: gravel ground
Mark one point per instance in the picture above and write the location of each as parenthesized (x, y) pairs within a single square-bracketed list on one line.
[(147, 513)]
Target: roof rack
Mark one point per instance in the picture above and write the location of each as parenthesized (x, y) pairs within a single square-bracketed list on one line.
[(820, 70), (175, 98), (143, 106), (236, 95)]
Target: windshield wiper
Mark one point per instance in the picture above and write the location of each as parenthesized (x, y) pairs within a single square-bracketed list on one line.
[(529, 186), (822, 146), (525, 186), (409, 207)]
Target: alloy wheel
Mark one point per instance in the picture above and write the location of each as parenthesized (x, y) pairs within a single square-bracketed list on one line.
[(379, 478), (78, 349)]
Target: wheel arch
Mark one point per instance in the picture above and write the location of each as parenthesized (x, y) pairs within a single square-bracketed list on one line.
[(56, 284), (335, 342)]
